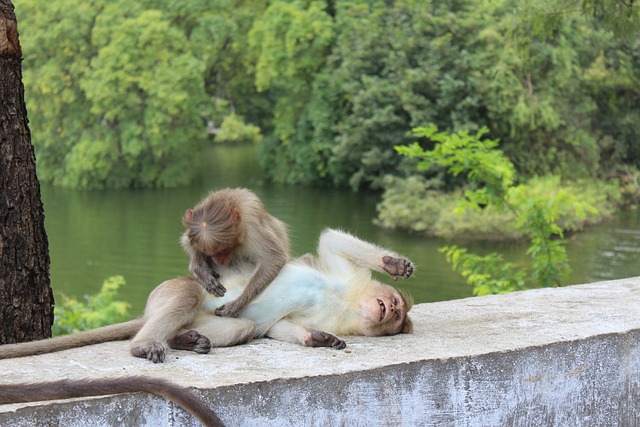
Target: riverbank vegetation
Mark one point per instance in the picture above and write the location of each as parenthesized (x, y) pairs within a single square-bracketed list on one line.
[(97, 310), (125, 95)]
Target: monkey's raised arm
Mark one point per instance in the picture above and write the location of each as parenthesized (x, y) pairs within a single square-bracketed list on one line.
[(340, 252)]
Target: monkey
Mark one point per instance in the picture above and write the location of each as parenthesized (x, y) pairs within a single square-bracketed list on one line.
[(67, 389), (311, 300), (231, 229)]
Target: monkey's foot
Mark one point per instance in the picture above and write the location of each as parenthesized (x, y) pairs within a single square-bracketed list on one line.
[(214, 287), (153, 351), (230, 309), (397, 267), (324, 339), (191, 341)]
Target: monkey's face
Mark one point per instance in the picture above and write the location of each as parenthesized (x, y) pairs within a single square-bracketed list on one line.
[(223, 256), (383, 312)]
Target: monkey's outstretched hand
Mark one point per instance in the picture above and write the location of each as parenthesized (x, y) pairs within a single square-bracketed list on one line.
[(397, 267)]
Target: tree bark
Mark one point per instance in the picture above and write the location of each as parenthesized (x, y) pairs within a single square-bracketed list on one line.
[(26, 298)]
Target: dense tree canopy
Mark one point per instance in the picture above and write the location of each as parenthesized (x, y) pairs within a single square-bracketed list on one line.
[(125, 94)]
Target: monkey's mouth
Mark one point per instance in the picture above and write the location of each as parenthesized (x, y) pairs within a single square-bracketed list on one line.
[(383, 309)]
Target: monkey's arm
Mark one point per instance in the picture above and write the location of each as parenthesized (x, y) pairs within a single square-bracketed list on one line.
[(340, 252), (200, 265), (273, 255), (285, 330)]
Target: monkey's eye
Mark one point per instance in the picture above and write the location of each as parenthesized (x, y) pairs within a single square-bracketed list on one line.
[(396, 315), (395, 301)]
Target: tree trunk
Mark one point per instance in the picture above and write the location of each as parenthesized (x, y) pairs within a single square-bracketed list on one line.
[(26, 299)]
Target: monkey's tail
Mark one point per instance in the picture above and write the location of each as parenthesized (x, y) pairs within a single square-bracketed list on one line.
[(116, 332), (67, 389)]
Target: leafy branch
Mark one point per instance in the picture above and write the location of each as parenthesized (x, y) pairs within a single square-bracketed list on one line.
[(491, 179)]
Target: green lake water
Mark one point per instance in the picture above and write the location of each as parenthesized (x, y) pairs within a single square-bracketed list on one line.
[(134, 233)]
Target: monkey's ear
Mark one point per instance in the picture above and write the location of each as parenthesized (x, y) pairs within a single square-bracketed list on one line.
[(188, 214), (235, 216), (407, 328)]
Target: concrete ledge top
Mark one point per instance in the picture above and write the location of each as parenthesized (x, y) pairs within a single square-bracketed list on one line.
[(443, 330)]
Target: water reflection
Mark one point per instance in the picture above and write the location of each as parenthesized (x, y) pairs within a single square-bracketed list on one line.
[(96, 234)]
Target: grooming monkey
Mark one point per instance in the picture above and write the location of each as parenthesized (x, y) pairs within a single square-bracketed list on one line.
[(310, 300), (229, 230), (67, 389)]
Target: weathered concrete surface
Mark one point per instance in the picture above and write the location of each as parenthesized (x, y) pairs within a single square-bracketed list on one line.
[(564, 357)]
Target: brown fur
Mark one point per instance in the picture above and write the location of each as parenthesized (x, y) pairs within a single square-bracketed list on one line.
[(234, 220), (117, 332), (67, 389), (333, 292)]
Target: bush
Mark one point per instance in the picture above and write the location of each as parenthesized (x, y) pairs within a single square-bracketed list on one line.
[(414, 204), (491, 201), (97, 310)]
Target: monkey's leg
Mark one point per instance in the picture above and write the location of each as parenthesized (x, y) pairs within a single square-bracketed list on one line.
[(172, 307), (285, 330), (225, 331)]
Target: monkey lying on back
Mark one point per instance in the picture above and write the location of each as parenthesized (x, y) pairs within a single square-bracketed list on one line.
[(229, 230), (311, 299)]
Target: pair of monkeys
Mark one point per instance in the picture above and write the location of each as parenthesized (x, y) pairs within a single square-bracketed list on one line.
[(239, 255)]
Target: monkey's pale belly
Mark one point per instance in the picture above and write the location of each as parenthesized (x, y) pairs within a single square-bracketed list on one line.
[(304, 287)]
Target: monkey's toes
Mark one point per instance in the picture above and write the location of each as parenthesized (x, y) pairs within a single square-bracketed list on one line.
[(397, 267), (191, 341), (152, 351), (203, 346)]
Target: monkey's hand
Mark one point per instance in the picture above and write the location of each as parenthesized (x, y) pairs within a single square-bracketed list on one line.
[(230, 309), (397, 267), (213, 286), (324, 339)]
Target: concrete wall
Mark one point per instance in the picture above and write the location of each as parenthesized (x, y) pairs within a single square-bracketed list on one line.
[(549, 357)]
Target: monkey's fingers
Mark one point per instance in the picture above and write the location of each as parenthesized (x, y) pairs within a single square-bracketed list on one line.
[(397, 267), (228, 310), (324, 339), (215, 288)]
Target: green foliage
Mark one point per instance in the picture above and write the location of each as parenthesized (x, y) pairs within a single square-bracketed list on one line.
[(487, 274), (118, 92), (458, 65), (488, 171), (534, 209), (131, 93), (421, 205), (544, 17), (122, 95), (234, 129), (97, 310)]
